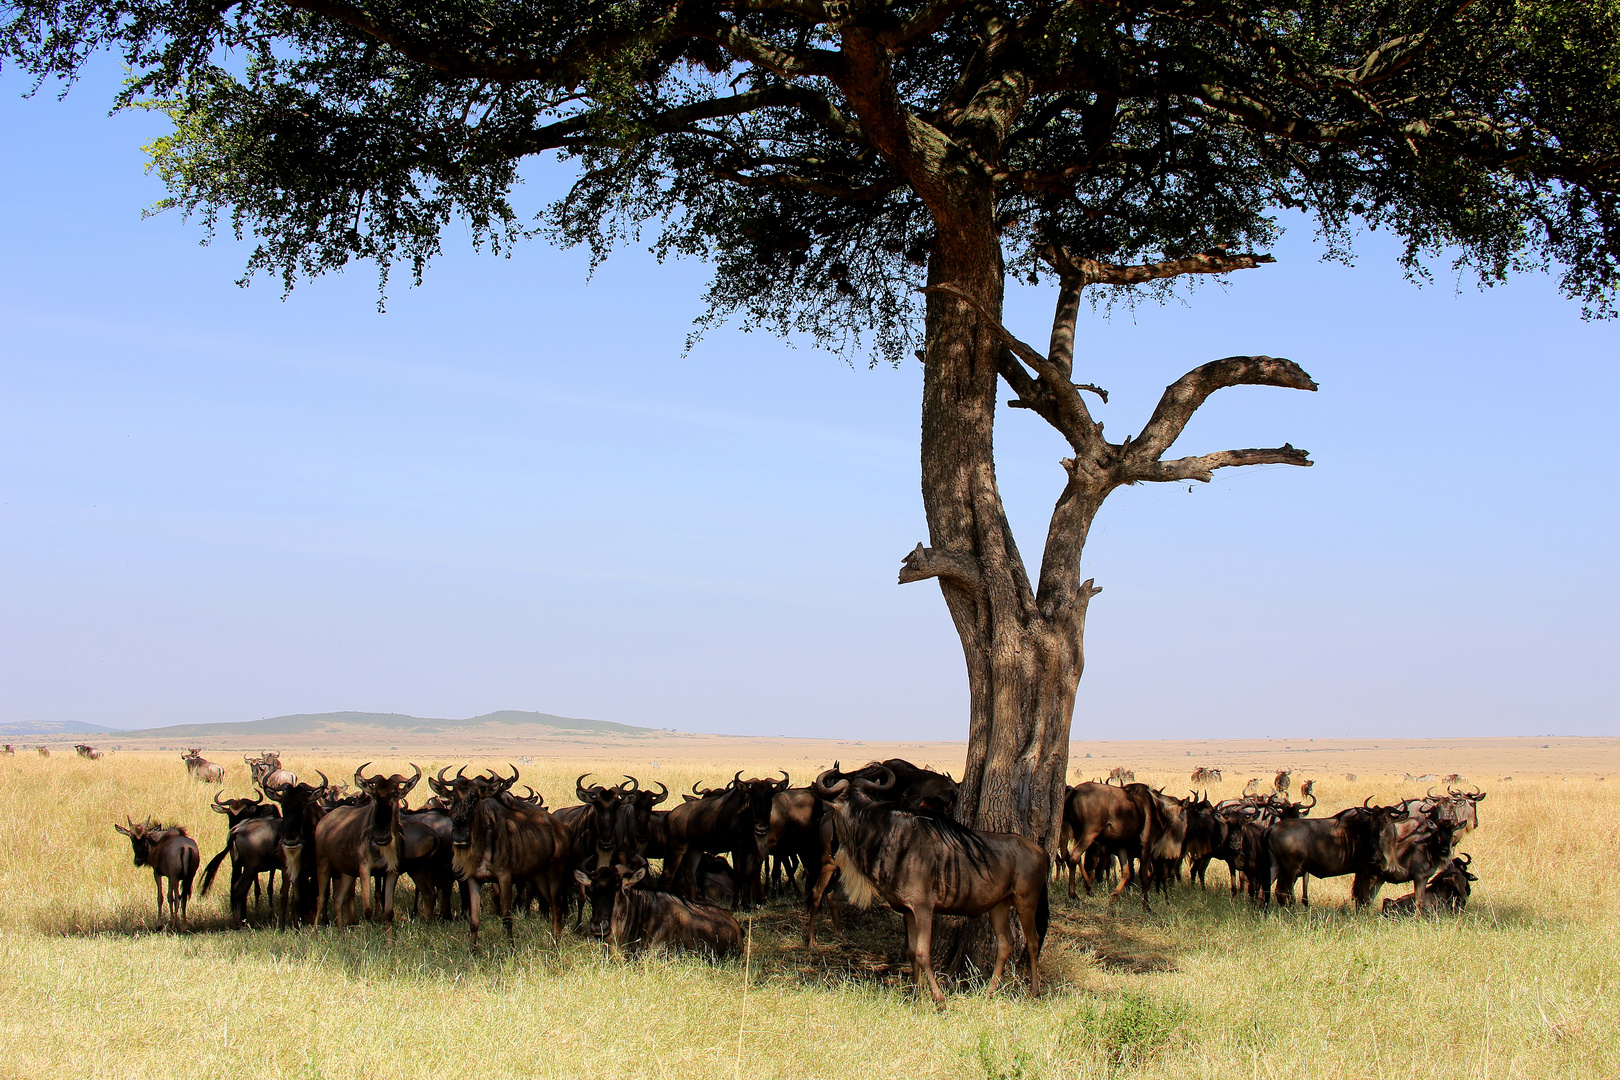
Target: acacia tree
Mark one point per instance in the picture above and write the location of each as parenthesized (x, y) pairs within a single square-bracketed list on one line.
[(844, 163)]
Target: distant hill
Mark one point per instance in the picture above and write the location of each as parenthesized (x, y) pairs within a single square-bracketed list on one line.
[(338, 722), (31, 729)]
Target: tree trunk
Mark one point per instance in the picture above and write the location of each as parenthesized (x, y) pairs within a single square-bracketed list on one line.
[(1023, 651)]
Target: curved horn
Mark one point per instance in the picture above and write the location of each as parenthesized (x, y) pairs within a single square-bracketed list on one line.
[(662, 794), (823, 791), (735, 780), (786, 780), (217, 794), (437, 783), (1310, 794), (358, 782), (414, 780), (633, 785), (325, 783), (878, 786), (579, 788)]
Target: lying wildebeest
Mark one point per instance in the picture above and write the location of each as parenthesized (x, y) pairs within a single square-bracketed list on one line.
[(507, 844), (200, 768), (171, 854), (1448, 890), (355, 842), (923, 866), (645, 919)]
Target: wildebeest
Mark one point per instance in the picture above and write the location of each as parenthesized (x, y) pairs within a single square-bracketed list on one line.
[(356, 842), (1448, 890), (253, 850), (200, 768), (426, 859), (44, 751), (171, 854), (923, 865), (1411, 849), (1120, 775), (795, 836), (1279, 783), (1206, 774), (7, 749), (1252, 787), (735, 819), (644, 919), (1132, 821), (266, 768), (1346, 843), (505, 843), (86, 751), (301, 812)]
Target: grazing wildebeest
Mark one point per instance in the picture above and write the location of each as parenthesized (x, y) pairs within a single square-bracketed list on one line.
[(1206, 774), (505, 844), (44, 751), (645, 919), (356, 842), (302, 808), (86, 751), (1448, 890), (734, 819), (923, 865), (200, 768), (171, 854)]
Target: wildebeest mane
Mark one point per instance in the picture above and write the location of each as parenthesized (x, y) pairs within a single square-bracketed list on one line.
[(951, 833)]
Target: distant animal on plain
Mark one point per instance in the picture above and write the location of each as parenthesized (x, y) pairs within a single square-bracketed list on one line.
[(1252, 787), (1280, 782), (1120, 775), (44, 751), (201, 769), (1205, 774), (1350, 776), (9, 749)]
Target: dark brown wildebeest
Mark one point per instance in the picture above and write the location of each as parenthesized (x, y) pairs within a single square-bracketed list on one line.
[(426, 859), (734, 819), (1411, 849), (44, 751), (302, 809), (86, 751), (201, 769), (923, 865), (1448, 891), (255, 850), (1346, 843), (1132, 821), (795, 836), (356, 842), (646, 919), (171, 854), (1205, 835), (505, 844), (635, 824)]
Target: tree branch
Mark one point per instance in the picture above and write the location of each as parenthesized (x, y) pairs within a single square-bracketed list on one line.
[(923, 563), (1093, 272), (1183, 397), (1070, 415), (558, 134), (1200, 468)]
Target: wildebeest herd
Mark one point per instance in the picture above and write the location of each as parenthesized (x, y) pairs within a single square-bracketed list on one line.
[(884, 832)]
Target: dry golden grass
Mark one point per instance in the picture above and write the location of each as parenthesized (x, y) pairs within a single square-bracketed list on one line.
[(1523, 984)]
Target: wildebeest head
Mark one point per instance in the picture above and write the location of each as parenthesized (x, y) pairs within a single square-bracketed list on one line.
[(387, 795), (239, 810), (145, 836), (466, 795), (300, 807), (759, 794), (1465, 808), (604, 816)]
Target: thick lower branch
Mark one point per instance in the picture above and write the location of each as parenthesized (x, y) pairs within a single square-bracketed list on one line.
[(1183, 397), (924, 563)]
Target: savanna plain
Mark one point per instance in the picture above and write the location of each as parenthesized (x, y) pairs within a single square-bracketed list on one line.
[(1525, 983)]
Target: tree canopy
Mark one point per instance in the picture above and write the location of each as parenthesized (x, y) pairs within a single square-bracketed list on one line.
[(751, 133)]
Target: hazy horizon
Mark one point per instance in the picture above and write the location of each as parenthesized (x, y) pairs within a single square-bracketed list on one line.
[(515, 487)]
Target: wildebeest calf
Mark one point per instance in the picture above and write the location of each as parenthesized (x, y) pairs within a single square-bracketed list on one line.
[(1448, 890), (171, 854)]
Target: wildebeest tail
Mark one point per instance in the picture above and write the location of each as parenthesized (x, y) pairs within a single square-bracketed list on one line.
[(213, 868), (1043, 916)]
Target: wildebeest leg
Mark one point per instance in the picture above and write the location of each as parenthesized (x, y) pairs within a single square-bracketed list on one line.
[(390, 883), (923, 952), (1304, 888), (814, 894), (471, 899), (1001, 923), (1029, 921), (323, 875), (239, 891), (503, 900), (157, 881)]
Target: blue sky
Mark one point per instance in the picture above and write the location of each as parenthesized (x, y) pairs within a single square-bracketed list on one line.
[(513, 490)]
